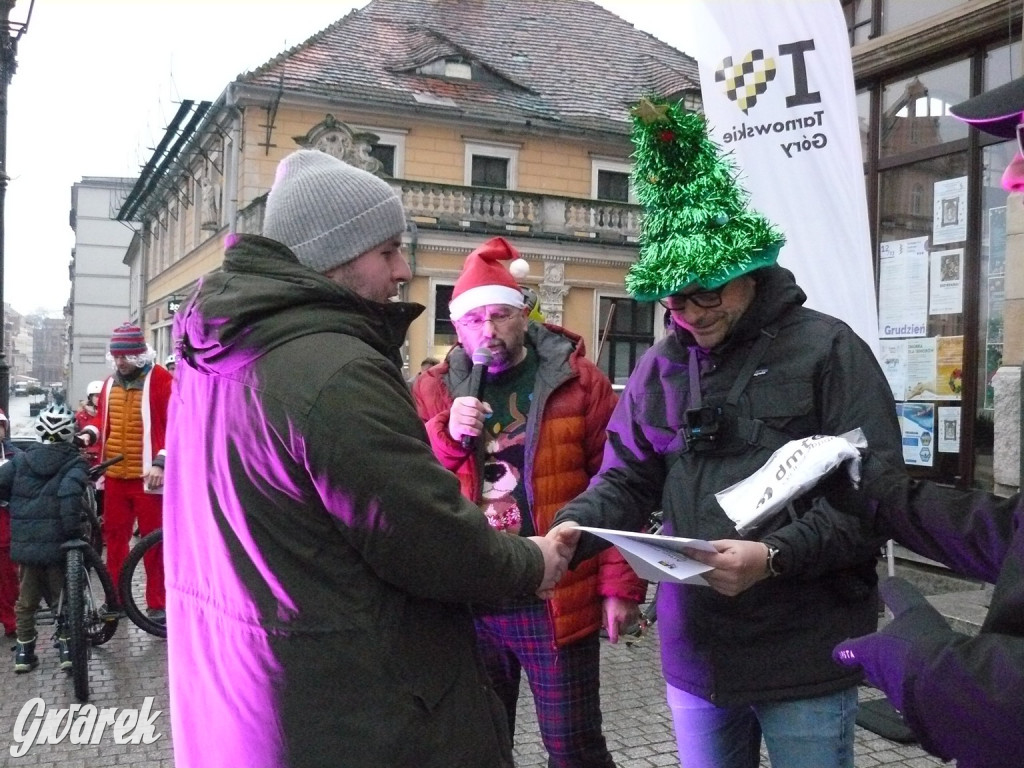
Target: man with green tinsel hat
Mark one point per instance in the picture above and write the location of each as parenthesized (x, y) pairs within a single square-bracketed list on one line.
[(744, 369)]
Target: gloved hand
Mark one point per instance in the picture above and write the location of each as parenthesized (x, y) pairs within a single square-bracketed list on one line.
[(916, 631), (882, 481)]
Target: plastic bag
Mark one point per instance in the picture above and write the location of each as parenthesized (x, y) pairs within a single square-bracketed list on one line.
[(793, 469)]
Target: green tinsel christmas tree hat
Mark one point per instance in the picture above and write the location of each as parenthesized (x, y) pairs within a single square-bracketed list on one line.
[(696, 226)]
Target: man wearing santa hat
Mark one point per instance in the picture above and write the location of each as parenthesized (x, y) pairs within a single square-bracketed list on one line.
[(522, 447)]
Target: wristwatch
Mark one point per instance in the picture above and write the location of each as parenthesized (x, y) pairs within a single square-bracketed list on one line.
[(771, 564)]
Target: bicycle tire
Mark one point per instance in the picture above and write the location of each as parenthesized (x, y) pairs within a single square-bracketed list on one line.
[(95, 525), (101, 622), (126, 581), (74, 620)]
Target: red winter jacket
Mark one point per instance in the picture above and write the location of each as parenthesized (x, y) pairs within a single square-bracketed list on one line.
[(566, 446)]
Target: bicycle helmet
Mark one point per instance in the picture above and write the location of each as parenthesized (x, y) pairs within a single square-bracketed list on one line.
[(94, 388), (56, 424)]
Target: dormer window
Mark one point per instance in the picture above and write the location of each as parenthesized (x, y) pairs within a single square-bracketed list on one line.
[(453, 66)]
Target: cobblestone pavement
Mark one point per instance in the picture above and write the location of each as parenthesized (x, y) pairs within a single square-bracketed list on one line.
[(133, 666)]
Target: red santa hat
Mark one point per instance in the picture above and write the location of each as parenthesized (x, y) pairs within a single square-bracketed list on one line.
[(485, 280)]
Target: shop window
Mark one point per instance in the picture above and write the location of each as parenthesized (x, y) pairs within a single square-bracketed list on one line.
[(923, 280), (915, 111), (897, 14), (858, 19)]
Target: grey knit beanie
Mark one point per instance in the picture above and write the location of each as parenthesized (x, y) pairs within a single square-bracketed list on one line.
[(327, 211)]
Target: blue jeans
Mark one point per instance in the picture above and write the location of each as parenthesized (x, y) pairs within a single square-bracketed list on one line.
[(807, 733)]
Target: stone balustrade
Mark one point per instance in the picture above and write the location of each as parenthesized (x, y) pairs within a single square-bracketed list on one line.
[(453, 207)]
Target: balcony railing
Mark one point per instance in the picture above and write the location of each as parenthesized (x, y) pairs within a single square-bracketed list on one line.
[(453, 207)]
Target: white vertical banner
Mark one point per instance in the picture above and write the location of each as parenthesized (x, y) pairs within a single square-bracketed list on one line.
[(777, 85)]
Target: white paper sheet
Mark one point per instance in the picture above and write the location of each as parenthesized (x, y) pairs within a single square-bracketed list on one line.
[(657, 558)]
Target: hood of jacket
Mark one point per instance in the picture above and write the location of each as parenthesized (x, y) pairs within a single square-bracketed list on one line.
[(46, 459), (775, 295), (263, 297)]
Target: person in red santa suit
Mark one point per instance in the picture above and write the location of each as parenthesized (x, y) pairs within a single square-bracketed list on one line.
[(131, 420)]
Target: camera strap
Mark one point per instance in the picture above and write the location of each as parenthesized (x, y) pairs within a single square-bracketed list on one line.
[(752, 431)]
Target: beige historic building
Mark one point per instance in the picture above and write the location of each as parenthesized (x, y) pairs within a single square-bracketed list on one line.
[(488, 118), (494, 117)]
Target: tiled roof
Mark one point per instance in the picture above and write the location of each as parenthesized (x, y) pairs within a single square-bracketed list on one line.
[(565, 64)]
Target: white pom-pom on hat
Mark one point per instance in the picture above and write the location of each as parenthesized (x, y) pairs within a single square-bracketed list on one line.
[(519, 268)]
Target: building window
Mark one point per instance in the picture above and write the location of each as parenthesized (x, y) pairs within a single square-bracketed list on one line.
[(630, 334), (915, 110), (443, 337), (491, 165), (490, 172), (385, 153), (609, 180), (612, 185)]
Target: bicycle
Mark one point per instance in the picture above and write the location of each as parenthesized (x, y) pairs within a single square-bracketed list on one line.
[(82, 607), (131, 583)]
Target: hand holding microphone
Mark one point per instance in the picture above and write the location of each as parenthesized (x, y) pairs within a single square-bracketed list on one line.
[(466, 419)]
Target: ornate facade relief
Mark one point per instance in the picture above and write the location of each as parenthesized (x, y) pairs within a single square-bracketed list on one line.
[(552, 291), (209, 195), (338, 140)]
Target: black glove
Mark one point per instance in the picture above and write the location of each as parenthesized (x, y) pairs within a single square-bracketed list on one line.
[(916, 632)]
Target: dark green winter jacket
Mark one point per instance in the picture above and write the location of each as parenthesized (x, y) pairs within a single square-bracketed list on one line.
[(319, 560)]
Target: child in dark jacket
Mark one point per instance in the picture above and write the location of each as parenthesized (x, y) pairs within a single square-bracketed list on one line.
[(43, 486)]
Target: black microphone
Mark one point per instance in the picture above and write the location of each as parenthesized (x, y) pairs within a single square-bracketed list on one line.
[(481, 359)]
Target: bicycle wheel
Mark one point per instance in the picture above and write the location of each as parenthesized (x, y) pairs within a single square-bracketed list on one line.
[(90, 508), (74, 621), (132, 585), (100, 622)]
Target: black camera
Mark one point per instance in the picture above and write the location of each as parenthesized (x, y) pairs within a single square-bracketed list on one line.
[(704, 427)]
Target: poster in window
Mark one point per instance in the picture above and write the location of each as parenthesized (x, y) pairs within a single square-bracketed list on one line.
[(949, 430), (947, 282), (920, 369), (949, 374), (892, 354), (949, 223), (917, 422), (903, 288)]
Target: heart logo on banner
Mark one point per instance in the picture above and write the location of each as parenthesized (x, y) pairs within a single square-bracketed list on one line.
[(745, 81)]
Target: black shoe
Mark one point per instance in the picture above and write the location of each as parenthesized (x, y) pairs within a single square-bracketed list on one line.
[(157, 614), (64, 652), (25, 659)]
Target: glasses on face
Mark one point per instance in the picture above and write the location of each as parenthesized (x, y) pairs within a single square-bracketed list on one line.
[(476, 322), (1020, 138), (703, 299)]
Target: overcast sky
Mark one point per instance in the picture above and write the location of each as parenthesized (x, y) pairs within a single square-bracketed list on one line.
[(96, 85)]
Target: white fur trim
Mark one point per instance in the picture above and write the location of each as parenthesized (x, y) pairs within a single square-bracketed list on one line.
[(482, 296)]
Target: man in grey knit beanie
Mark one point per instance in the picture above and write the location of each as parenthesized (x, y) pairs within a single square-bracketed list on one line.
[(329, 212), (320, 561)]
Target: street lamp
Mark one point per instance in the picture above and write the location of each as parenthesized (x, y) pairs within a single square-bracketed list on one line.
[(10, 34)]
